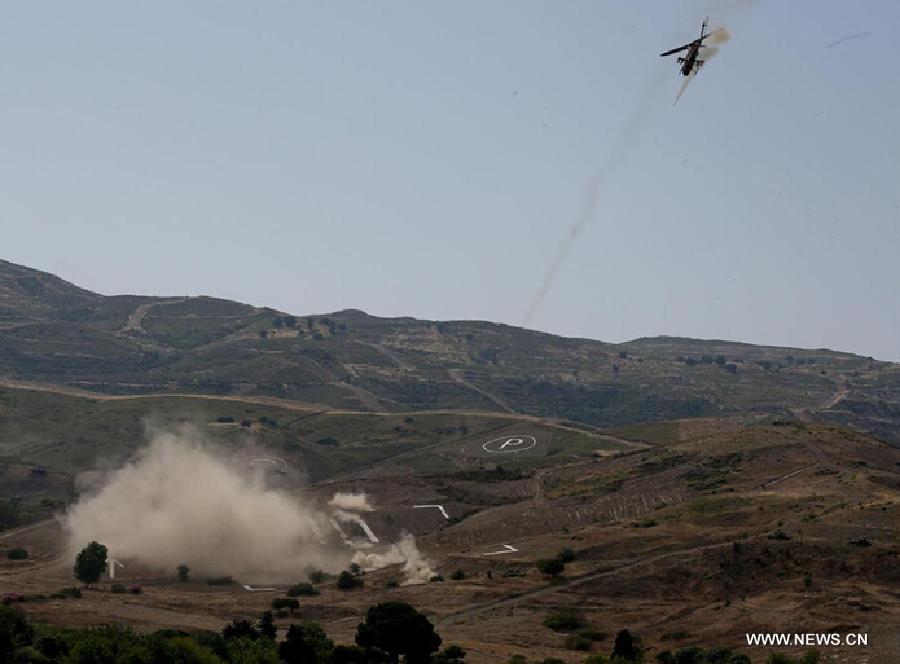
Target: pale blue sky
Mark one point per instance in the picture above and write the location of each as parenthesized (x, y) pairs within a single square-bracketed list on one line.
[(427, 159)]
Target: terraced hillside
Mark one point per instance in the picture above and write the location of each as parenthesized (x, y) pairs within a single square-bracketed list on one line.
[(710, 531), (53, 333)]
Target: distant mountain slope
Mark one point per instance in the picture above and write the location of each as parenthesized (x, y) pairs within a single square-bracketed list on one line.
[(54, 332)]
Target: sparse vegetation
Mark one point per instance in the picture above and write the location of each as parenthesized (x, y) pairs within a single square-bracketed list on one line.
[(563, 621), (302, 589)]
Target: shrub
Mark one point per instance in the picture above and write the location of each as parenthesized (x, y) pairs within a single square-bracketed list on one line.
[(17, 554), (458, 575), (224, 419), (563, 621), (117, 588), (183, 572), (436, 577), (346, 581), (316, 575), (577, 642), (302, 589), (134, 589), (551, 567), (566, 555)]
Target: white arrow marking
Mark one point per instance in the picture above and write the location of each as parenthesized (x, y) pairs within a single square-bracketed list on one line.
[(252, 589), (440, 507), (509, 549)]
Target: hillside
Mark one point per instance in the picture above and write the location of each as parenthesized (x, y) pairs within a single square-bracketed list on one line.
[(714, 530), (55, 333)]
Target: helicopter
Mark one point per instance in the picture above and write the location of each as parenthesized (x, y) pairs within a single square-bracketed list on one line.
[(690, 63)]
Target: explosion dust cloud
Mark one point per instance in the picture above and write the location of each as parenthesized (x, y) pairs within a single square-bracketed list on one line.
[(178, 503)]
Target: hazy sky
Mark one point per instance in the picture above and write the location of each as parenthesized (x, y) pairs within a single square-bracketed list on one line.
[(428, 158)]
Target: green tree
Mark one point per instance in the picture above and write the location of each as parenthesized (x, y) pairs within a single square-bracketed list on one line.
[(90, 563), (393, 629), (183, 572)]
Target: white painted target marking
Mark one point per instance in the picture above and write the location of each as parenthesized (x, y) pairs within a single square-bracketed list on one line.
[(509, 444)]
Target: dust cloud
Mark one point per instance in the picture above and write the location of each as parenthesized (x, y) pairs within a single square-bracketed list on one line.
[(354, 502), (179, 503), (416, 569)]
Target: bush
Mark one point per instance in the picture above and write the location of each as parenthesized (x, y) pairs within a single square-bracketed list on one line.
[(316, 575), (302, 589), (183, 572), (566, 555), (551, 567), (563, 621), (436, 577), (577, 642), (117, 588), (224, 419), (346, 581), (134, 589), (458, 575), (17, 554)]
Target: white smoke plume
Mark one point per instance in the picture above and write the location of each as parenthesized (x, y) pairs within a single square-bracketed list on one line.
[(351, 501), (178, 503), (416, 569)]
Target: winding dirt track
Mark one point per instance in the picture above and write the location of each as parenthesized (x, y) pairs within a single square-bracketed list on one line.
[(311, 408)]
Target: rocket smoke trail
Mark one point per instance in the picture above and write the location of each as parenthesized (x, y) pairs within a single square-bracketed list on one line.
[(627, 140)]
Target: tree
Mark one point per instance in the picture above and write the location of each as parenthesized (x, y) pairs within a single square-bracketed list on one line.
[(263, 334), (551, 567), (240, 629), (624, 647), (393, 629), (183, 572), (290, 321), (348, 655), (347, 580), (282, 603), (15, 632), (90, 563), (306, 644), (267, 625), (452, 654)]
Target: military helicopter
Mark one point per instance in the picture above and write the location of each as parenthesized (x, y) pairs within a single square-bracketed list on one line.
[(690, 62)]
